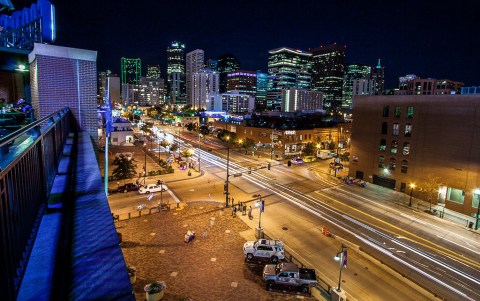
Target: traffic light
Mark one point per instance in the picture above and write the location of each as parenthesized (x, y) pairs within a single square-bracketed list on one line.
[(268, 166), (250, 170)]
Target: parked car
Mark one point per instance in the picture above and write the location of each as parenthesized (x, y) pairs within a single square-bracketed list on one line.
[(309, 159), (289, 274), (264, 248), (152, 188), (128, 187)]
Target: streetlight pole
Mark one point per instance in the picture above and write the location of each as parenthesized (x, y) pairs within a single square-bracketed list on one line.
[(342, 257), (478, 215), (412, 185), (145, 164), (259, 202), (228, 175)]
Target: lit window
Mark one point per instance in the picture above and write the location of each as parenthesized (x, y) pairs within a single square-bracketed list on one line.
[(409, 112), (397, 111), (381, 162), (393, 150), (392, 165), (383, 144), (396, 128), (406, 149), (408, 130), (455, 195)]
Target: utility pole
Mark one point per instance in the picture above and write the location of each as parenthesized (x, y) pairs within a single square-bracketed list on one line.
[(228, 175)]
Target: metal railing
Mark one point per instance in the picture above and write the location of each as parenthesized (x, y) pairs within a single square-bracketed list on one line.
[(29, 159)]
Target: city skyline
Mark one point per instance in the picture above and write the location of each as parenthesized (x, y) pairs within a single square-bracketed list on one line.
[(410, 38)]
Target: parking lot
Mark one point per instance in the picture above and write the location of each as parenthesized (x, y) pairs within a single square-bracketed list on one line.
[(211, 267)]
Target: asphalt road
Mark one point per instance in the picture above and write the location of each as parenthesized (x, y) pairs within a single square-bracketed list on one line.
[(438, 255)]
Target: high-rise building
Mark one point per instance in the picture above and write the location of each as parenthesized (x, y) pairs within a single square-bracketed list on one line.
[(205, 84), (362, 86), (176, 73), (287, 68), (131, 70), (153, 71), (194, 63), (212, 64), (327, 73), (353, 72), (301, 100), (150, 91), (243, 81), (235, 102), (261, 95), (378, 75), (225, 64)]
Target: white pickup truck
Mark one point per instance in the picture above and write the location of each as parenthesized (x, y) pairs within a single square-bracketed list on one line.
[(264, 248)]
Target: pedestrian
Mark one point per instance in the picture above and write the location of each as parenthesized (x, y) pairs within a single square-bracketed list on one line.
[(233, 211), (233, 202), (244, 209), (250, 212)]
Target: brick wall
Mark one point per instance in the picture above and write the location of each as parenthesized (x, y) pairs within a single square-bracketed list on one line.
[(64, 77)]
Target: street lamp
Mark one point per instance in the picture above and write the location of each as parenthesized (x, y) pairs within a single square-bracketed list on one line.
[(228, 175), (145, 164), (259, 204), (342, 258), (412, 186)]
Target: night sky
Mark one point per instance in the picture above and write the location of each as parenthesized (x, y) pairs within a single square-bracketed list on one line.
[(438, 39)]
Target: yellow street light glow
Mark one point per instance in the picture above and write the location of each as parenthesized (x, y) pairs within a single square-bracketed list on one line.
[(412, 185)]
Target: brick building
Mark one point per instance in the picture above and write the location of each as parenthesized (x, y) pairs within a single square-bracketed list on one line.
[(432, 141), (65, 77)]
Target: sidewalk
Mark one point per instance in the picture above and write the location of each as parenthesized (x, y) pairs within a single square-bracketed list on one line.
[(211, 267)]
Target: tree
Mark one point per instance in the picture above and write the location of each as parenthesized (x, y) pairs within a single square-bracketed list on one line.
[(174, 147), (191, 127), (430, 187), (309, 149), (126, 168), (204, 130), (248, 143)]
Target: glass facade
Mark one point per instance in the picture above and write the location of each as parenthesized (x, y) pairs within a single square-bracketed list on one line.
[(353, 72), (131, 70), (287, 68), (225, 64), (328, 64), (176, 72)]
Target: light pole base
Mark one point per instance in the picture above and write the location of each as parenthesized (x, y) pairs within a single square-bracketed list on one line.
[(338, 295), (259, 233)]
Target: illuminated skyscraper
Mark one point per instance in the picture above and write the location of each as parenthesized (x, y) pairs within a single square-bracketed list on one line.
[(131, 70), (327, 73), (176, 73), (353, 72), (153, 71), (194, 63), (212, 64), (226, 63), (378, 75), (261, 95), (243, 81), (287, 68), (205, 84)]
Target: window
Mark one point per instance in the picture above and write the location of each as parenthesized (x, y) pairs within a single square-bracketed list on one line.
[(409, 112), (381, 162), (384, 128), (406, 149), (393, 150), (383, 144), (397, 112), (408, 130), (386, 110), (396, 128), (404, 166), (455, 195), (392, 165), (475, 200)]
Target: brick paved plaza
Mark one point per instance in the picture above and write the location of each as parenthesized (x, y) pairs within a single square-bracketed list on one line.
[(212, 267)]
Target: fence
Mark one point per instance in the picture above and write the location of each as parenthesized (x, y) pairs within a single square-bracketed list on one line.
[(29, 161)]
